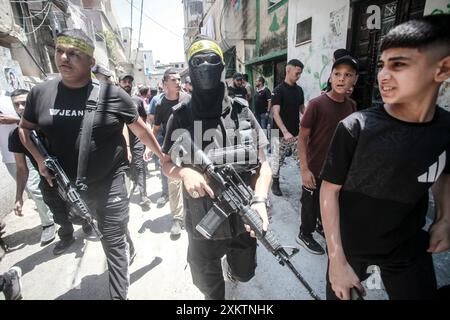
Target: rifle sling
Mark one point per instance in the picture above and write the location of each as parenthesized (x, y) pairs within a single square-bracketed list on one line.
[(86, 135)]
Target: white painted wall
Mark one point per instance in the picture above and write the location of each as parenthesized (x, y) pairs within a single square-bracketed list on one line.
[(330, 20)]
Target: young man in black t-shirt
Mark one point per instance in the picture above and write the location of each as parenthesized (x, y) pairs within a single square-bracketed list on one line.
[(237, 89), (381, 164), (172, 97), (137, 166), (263, 98), (287, 104), (57, 107), (27, 174)]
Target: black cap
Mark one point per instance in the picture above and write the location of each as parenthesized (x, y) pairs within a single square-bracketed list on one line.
[(348, 60), (237, 76), (339, 53), (127, 75), (102, 70)]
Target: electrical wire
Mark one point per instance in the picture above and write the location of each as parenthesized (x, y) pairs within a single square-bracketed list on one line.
[(38, 13), (42, 23), (156, 22)]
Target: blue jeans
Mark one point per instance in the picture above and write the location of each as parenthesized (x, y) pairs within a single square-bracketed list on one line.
[(262, 119)]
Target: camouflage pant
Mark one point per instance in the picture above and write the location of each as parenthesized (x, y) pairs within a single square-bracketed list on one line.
[(280, 149)]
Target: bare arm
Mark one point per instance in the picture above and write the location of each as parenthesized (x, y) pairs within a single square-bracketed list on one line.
[(440, 231), (302, 109), (25, 128), (276, 116), (192, 180), (126, 135), (308, 178), (21, 181), (140, 129), (156, 130), (342, 276), (151, 119), (8, 119), (262, 189)]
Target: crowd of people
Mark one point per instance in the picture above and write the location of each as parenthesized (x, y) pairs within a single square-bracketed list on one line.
[(365, 174)]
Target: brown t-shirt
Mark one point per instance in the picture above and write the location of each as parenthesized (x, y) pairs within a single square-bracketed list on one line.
[(322, 117)]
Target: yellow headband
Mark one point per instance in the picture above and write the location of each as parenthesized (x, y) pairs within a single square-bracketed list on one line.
[(204, 45), (78, 44)]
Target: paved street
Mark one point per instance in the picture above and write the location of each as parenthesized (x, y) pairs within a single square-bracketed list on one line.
[(160, 270)]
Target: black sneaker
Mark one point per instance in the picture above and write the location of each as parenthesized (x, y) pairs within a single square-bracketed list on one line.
[(48, 234), (3, 248), (62, 245), (175, 231), (276, 187), (319, 230), (162, 200), (87, 229), (13, 285), (145, 203), (311, 245)]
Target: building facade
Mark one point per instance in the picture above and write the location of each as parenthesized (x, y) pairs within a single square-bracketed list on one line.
[(317, 28)]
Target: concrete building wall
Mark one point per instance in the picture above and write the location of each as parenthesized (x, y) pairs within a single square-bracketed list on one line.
[(437, 7), (330, 20), (273, 28)]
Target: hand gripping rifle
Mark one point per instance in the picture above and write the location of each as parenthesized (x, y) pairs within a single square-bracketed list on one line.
[(232, 195), (66, 190)]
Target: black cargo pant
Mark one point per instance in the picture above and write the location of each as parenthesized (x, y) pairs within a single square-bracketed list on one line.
[(310, 211), (204, 257), (406, 275), (137, 168), (109, 203)]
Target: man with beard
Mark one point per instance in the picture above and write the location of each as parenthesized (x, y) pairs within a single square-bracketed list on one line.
[(219, 117), (137, 148)]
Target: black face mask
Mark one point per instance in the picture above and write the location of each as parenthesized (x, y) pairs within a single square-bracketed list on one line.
[(205, 71)]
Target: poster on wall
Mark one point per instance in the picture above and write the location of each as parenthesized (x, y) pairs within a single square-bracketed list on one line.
[(12, 80)]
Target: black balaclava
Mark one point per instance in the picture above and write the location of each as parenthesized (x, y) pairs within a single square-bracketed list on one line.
[(205, 68)]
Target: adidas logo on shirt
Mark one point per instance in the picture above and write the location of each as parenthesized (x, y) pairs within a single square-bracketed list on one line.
[(433, 173)]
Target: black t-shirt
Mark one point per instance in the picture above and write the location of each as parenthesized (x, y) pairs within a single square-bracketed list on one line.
[(262, 98), (58, 111), (386, 167), (239, 92), (15, 145), (289, 98), (139, 104), (163, 112), (196, 209)]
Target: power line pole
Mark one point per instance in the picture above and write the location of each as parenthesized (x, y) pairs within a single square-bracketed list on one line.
[(140, 28), (131, 30)]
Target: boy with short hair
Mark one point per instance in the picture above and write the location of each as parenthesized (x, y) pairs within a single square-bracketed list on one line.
[(381, 163), (316, 131)]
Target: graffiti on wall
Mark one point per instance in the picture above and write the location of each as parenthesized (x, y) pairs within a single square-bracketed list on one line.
[(318, 60), (277, 38), (234, 5), (441, 10)]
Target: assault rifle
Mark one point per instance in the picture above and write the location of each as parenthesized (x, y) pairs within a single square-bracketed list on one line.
[(232, 195), (66, 190)]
